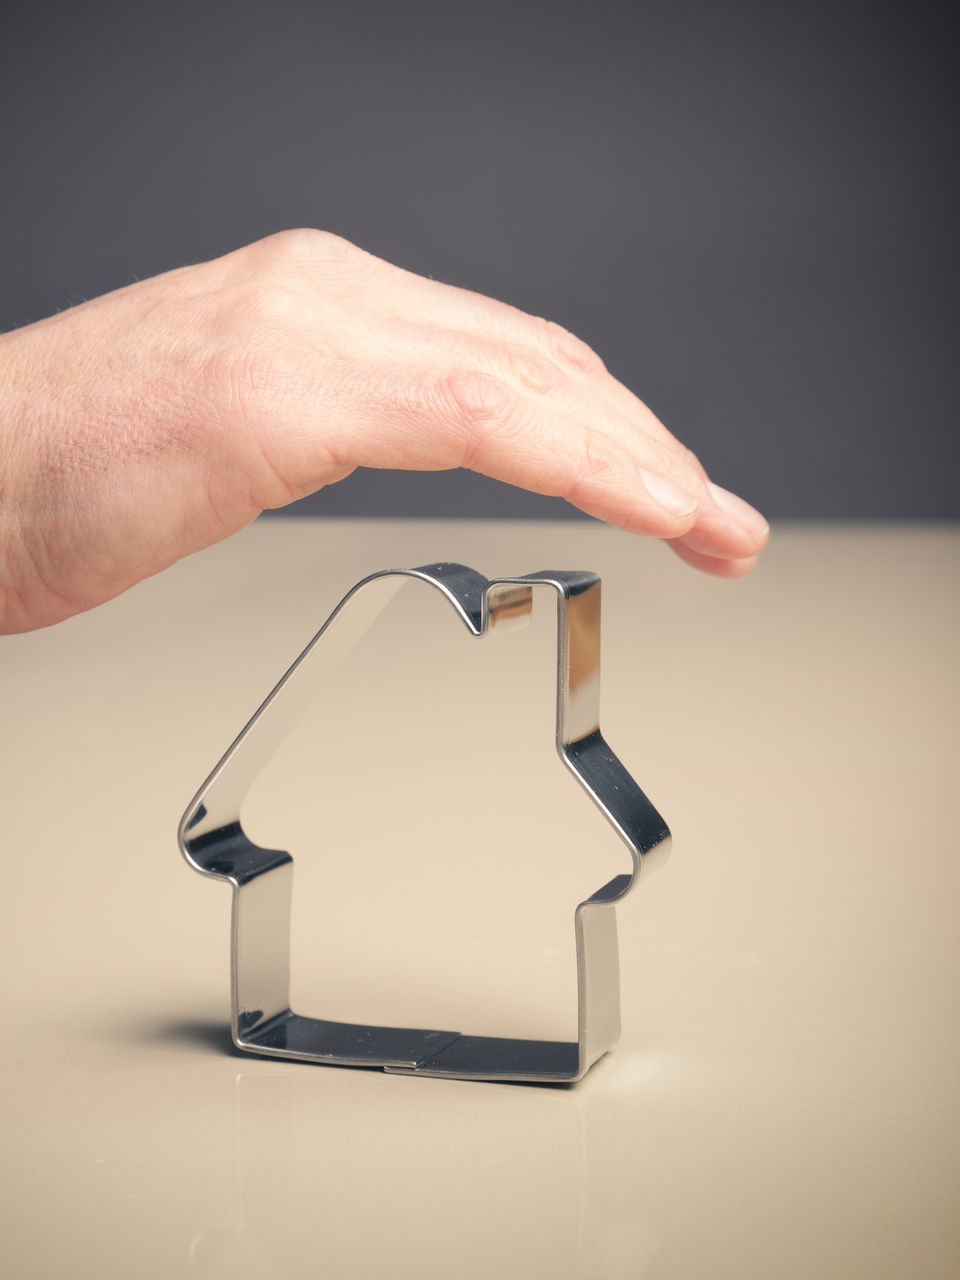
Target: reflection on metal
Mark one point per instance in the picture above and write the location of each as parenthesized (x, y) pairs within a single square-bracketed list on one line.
[(213, 841)]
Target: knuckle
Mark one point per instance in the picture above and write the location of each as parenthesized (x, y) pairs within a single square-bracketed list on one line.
[(598, 465), (676, 462), (266, 307), (693, 463), (283, 246), (478, 398), (302, 245), (600, 461), (534, 370), (571, 348), (481, 407), (327, 244)]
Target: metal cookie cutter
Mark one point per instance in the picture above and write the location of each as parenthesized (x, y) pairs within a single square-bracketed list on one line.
[(213, 841)]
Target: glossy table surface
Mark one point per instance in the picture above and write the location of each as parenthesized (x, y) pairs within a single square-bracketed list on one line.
[(784, 1099)]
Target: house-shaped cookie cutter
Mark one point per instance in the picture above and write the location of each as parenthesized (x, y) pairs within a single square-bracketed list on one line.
[(214, 843)]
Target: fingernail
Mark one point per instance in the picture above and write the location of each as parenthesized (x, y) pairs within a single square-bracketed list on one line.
[(740, 512), (668, 495)]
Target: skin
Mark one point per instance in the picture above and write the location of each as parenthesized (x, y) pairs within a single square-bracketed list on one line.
[(154, 421)]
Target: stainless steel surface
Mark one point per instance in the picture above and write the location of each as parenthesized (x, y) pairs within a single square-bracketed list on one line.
[(784, 1100), (214, 842)]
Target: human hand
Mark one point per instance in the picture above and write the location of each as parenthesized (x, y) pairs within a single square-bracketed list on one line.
[(156, 420)]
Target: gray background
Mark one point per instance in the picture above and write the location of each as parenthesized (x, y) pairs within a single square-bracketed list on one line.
[(749, 209)]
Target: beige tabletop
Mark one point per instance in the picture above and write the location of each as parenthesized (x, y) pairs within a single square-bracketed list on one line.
[(784, 1099)]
